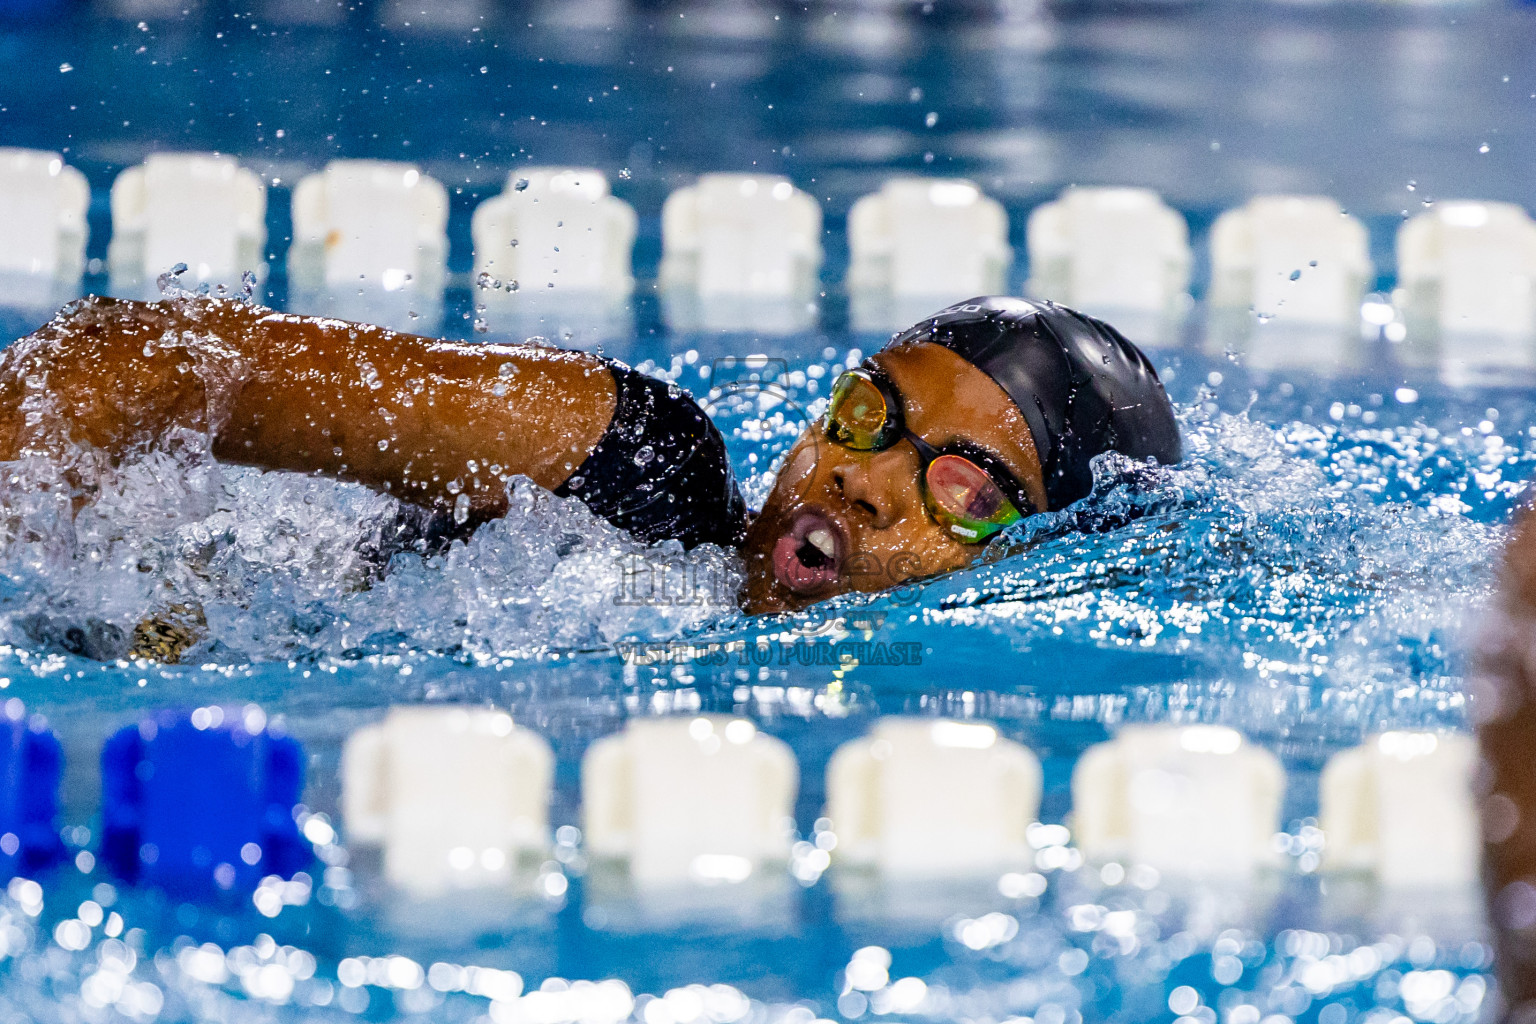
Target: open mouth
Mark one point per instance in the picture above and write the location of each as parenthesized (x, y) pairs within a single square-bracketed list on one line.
[(808, 558)]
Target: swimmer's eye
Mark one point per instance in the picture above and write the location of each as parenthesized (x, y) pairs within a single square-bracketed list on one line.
[(962, 497)]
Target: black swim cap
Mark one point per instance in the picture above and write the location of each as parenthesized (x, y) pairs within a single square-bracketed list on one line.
[(1082, 387)]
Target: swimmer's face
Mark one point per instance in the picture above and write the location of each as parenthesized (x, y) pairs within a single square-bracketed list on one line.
[(867, 507)]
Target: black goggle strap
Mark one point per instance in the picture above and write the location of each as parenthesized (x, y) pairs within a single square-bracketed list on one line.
[(895, 427)]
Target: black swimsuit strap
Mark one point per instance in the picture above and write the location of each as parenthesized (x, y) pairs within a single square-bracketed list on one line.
[(661, 470)]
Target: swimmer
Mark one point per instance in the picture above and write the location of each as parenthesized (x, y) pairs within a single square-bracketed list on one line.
[(1504, 706), (984, 414)]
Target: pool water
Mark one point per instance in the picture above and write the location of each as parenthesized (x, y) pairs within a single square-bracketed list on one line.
[(1312, 573), (1307, 576)]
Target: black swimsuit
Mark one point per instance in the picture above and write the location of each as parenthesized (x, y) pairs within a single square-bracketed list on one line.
[(660, 471)]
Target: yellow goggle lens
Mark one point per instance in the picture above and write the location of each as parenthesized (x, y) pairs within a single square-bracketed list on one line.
[(857, 416)]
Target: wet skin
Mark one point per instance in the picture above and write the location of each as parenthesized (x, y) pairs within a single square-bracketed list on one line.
[(425, 420), (1504, 706), (871, 503)]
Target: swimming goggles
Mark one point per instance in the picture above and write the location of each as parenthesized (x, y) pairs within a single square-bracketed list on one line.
[(966, 489)]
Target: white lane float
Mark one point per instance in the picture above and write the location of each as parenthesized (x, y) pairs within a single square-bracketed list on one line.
[(922, 797), (43, 228), (201, 210), (1467, 287), (740, 252), (1117, 253), (707, 799), (1288, 277), (920, 244), (1400, 807), (1195, 801), (455, 797), (370, 237)]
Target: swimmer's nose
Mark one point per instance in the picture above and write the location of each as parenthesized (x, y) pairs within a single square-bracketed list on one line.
[(870, 485)]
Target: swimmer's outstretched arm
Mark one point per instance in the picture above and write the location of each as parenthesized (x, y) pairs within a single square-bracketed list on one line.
[(421, 419)]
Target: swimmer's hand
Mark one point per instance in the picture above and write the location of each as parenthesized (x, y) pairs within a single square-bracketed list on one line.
[(163, 637), (169, 635)]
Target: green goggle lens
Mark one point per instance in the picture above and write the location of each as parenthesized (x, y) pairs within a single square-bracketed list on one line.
[(962, 497)]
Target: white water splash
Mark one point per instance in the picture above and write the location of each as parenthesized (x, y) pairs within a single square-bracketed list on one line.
[(284, 566)]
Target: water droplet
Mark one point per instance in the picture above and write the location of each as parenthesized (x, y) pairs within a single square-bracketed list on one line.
[(169, 282), (485, 280), (508, 369), (383, 444), (624, 174), (915, 96), (1483, 148), (575, 482), (644, 456), (1296, 275), (1413, 186), (66, 68), (461, 509), (932, 118), (521, 184)]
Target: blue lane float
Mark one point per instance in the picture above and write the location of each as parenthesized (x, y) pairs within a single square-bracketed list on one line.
[(31, 763), (200, 803)]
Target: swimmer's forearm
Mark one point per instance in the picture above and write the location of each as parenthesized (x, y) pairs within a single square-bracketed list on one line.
[(110, 377), (425, 420), (421, 419)]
